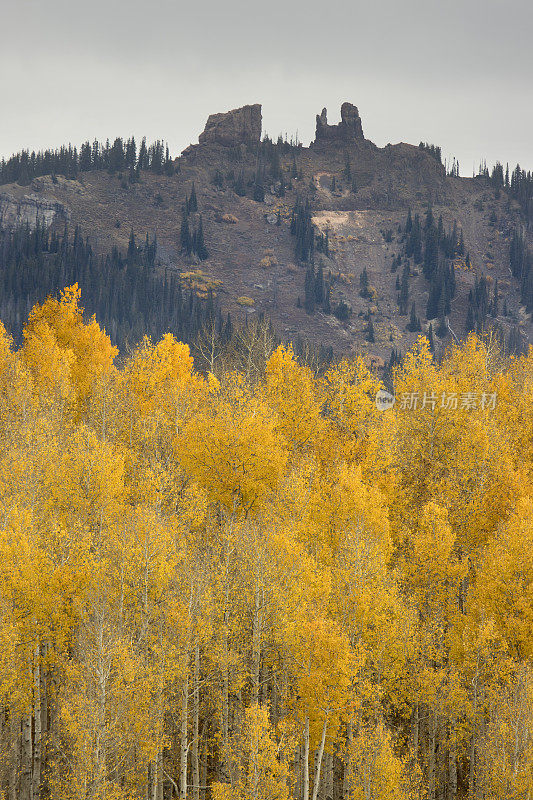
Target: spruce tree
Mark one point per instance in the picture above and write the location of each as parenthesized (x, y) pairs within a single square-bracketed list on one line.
[(185, 236), (319, 286), (431, 252), (363, 283), (240, 185), (414, 322), (193, 201), (404, 291), (327, 300), (495, 300), (442, 329), (470, 322), (431, 338), (199, 243), (309, 289), (294, 169), (347, 172), (132, 248), (259, 190), (142, 161)]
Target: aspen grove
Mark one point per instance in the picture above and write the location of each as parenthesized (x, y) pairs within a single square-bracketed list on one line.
[(254, 584)]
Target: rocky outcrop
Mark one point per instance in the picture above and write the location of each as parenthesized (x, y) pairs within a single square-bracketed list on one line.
[(240, 126), (30, 210), (349, 129)]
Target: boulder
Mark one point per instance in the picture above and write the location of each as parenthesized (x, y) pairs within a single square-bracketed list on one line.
[(240, 126)]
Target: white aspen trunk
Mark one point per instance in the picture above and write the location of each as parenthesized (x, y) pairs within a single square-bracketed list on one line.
[(37, 734), (297, 770), (100, 749), (156, 765), (183, 736), (196, 726), (415, 730), (328, 775), (452, 764), (161, 780), (157, 777), (256, 647), (472, 770), (148, 782), (236, 766), (44, 705), (254, 767), (346, 779), (480, 744), (26, 760), (225, 704), (320, 756), (305, 777), (274, 705), (431, 756), (15, 756), (203, 773)]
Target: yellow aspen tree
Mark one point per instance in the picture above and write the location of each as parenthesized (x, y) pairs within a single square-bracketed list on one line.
[(17, 404), (291, 392), (233, 450), (355, 430), (505, 752), (263, 774), (503, 589), (49, 364), (376, 772), (91, 353), (323, 672), (261, 582), (160, 383)]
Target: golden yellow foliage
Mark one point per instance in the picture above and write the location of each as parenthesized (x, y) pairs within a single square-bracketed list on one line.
[(261, 582), (245, 301)]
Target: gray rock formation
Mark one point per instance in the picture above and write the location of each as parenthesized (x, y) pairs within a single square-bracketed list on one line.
[(30, 210), (349, 129), (240, 126)]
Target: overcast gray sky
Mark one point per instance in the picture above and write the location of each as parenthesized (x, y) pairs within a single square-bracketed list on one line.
[(456, 72)]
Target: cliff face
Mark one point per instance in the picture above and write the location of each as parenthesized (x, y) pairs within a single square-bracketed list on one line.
[(240, 126), (30, 210)]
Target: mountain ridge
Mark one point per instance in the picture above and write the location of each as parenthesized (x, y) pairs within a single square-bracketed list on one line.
[(358, 196)]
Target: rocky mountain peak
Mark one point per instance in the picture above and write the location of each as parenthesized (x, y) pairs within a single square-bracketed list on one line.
[(349, 129), (239, 126)]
